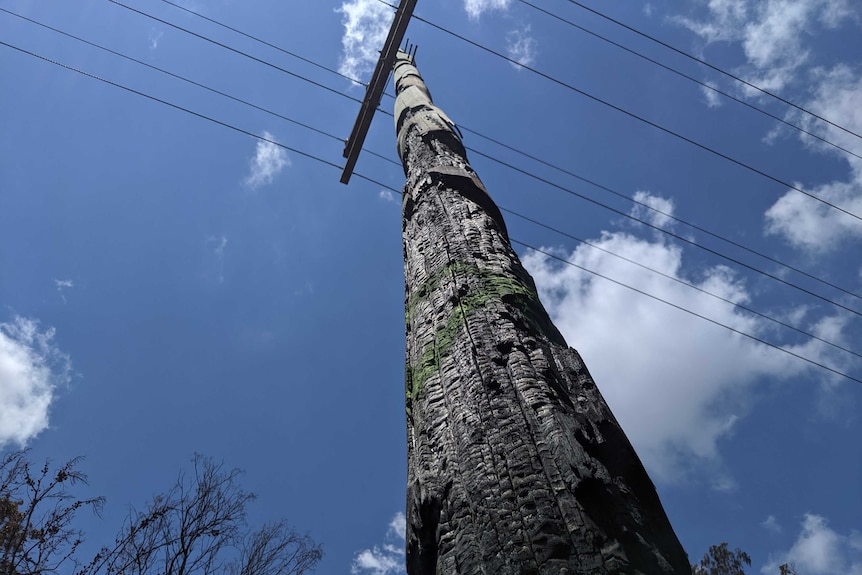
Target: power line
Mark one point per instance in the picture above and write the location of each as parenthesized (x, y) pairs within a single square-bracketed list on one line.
[(378, 183), (657, 211), (586, 180), (688, 311), (476, 151), (194, 83), (546, 181), (687, 77), (669, 233), (679, 281), (621, 110), (331, 136), (234, 50), (264, 42), (166, 103), (713, 67)]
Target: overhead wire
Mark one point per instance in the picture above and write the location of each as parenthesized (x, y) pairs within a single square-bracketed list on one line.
[(264, 42), (388, 187), (687, 77), (193, 82), (234, 50), (660, 229), (658, 211), (713, 67), (514, 213), (527, 155), (680, 281), (630, 114), (670, 233), (686, 310), (192, 112)]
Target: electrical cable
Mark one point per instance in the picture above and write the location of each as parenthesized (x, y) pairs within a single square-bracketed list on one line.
[(332, 136), (669, 233), (687, 77), (194, 83), (713, 67), (658, 211), (187, 110), (526, 218), (680, 281), (264, 42), (686, 310), (621, 110), (386, 186), (234, 50), (586, 180)]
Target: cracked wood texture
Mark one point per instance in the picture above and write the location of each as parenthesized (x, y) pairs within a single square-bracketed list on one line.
[(516, 465)]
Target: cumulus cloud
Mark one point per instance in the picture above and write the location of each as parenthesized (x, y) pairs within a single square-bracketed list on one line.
[(366, 25), (711, 97), (388, 558), (775, 36), (661, 212), (802, 221), (31, 368), (684, 382), (772, 32), (386, 195), (269, 160), (820, 550), (476, 8), (521, 47)]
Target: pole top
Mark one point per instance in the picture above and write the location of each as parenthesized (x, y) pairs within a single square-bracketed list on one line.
[(375, 88)]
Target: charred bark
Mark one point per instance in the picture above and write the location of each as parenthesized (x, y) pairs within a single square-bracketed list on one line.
[(516, 464)]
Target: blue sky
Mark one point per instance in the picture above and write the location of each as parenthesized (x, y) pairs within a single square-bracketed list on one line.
[(171, 286)]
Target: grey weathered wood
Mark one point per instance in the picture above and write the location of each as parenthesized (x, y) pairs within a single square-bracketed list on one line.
[(515, 463)]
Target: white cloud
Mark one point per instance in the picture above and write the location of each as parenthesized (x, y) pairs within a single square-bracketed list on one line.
[(771, 524), (61, 285), (772, 33), (218, 244), (386, 195), (659, 215), (819, 550), (154, 38), (521, 47), (712, 98), (803, 221), (221, 244), (678, 393), (776, 38), (31, 367), (386, 559), (366, 25), (269, 160), (476, 8)]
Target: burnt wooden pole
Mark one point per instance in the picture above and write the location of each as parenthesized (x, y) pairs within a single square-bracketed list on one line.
[(516, 464)]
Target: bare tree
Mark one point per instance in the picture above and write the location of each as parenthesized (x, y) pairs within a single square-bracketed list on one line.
[(37, 534), (199, 527)]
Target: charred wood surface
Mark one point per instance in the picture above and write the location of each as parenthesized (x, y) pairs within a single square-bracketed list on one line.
[(516, 464)]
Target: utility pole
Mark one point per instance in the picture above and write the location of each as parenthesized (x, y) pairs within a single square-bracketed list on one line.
[(516, 465)]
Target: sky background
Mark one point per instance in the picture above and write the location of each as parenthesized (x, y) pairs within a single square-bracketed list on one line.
[(170, 286)]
